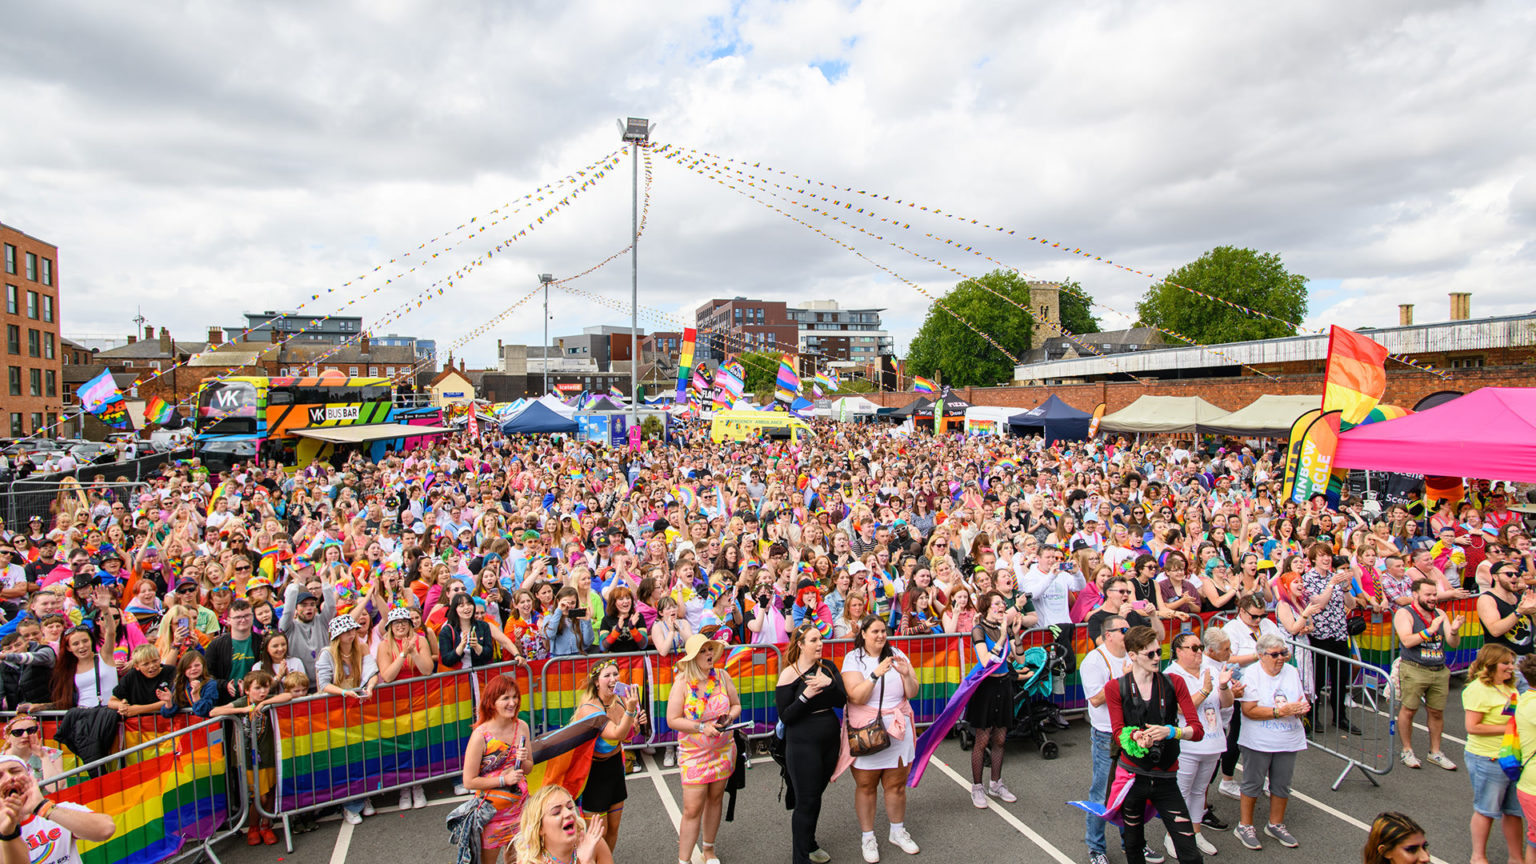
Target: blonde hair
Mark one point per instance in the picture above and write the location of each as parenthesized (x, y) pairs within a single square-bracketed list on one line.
[(529, 842)]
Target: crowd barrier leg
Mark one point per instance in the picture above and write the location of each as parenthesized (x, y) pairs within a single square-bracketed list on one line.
[(1366, 703)]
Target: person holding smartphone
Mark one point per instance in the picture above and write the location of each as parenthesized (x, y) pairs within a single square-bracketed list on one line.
[(568, 629), (606, 693)]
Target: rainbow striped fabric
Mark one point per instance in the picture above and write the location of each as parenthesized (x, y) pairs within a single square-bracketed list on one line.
[(923, 385), (787, 387)]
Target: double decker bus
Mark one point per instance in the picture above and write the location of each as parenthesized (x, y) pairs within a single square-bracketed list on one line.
[(240, 417)]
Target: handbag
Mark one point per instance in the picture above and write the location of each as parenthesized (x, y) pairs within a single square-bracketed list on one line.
[(872, 737), (1355, 625)]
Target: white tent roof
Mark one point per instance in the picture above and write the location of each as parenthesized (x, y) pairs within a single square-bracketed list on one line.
[(1269, 416), (548, 400), (1165, 415), (857, 405), (994, 413)]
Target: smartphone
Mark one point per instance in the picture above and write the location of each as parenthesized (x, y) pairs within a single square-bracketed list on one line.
[(622, 690)]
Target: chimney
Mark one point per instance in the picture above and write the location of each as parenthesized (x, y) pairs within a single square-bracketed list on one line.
[(1405, 314), (461, 364), (1461, 305), (362, 345), (133, 338), (149, 332), (166, 344), (215, 336)]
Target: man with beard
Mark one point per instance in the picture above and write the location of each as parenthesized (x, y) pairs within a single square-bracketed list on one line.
[(1505, 611), (1424, 633), (34, 829)]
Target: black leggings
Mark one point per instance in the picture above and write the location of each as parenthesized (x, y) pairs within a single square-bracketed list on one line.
[(988, 739), (811, 749), (1163, 793), (1335, 673)]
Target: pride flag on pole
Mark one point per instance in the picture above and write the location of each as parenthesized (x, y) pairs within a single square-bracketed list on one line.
[(684, 363), (157, 410), (1355, 378), (788, 384), (923, 385), (99, 392)]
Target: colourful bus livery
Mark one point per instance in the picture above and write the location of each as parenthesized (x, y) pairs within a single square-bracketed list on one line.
[(240, 415)]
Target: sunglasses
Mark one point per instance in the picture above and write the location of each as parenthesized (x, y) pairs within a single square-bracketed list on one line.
[(1151, 654), (186, 590), (1277, 654), (1121, 630), (22, 733), (1195, 647)]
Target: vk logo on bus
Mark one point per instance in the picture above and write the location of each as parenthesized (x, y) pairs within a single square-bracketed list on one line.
[(227, 400), (333, 413)]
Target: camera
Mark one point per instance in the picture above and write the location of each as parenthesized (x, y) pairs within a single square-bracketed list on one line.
[(1155, 752)]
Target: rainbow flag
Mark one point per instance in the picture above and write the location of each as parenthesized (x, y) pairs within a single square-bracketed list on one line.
[(788, 385), (1355, 377), (685, 364), (115, 414), (923, 385), (825, 381), (335, 748), (173, 797), (564, 756), (218, 492), (157, 410)]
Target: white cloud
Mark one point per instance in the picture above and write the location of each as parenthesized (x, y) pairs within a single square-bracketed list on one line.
[(202, 160)]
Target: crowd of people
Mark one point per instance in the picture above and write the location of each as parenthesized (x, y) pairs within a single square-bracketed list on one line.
[(218, 594)]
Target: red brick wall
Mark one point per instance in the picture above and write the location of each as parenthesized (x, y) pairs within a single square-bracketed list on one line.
[(1403, 388), (23, 406)]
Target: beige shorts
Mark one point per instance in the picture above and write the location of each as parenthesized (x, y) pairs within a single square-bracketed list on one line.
[(1423, 686)]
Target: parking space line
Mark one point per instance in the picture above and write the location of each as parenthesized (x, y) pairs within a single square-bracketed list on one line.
[(343, 843), (659, 780), (1011, 819)]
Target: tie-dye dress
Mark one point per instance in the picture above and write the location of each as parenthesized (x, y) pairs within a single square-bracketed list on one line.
[(706, 758)]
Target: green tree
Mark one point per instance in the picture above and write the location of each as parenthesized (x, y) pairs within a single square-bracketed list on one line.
[(1241, 276), (762, 371), (947, 348), (1076, 313)]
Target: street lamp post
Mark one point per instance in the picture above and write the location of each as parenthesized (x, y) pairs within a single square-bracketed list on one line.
[(635, 131), (546, 278)]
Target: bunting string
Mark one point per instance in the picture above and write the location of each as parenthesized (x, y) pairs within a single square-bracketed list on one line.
[(1043, 241), (1056, 326)]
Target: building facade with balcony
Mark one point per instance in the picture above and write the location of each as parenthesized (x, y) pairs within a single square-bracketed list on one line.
[(840, 337)]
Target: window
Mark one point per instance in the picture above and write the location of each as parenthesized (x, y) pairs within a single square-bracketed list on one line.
[(69, 395), (1466, 363), (15, 380), (53, 419), (34, 344), (32, 305), (13, 338), (155, 365), (738, 316), (35, 382), (352, 371), (389, 370), (31, 267), (12, 297), (51, 383), (48, 345), (10, 267), (37, 421), (47, 271), (16, 429), (48, 309)]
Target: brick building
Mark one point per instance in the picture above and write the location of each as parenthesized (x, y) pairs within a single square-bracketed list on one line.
[(31, 318), (728, 327)]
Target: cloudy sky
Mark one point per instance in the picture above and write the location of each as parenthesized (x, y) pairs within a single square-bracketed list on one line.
[(196, 160)]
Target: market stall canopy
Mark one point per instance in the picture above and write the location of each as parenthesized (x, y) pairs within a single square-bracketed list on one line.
[(1269, 416), (1163, 415), (602, 403), (954, 406), (366, 432), (854, 405), (920, 405), (538, 419), (988, 418), (1054, 419), (1487, 434)]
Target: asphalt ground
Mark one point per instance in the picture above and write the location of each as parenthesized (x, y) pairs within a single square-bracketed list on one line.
[(1330, 825)]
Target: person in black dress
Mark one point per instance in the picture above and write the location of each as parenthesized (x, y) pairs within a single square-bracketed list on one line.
[(809, 689), (990, 711)]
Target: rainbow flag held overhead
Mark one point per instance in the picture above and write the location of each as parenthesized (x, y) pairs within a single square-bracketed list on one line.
[(115, 414), (685, 364), (923, 385), (730, 384), (219, 491), (157, 410), (788, 385), (1355, 377), (564, 757)]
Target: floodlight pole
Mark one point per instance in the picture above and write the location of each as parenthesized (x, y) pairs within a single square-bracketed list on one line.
[(546, 278), (636, 131)]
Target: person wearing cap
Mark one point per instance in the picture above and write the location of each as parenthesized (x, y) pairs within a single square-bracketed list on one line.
[(702, 707), (346, 668), (403, 654), (305, 619), (29, 821)]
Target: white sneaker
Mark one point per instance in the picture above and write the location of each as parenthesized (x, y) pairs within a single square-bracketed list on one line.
[(459, 789), (1410, 760), (978, 796), (902, 839), (1438, 758), (871, 850), (367, 808), (352, 818), (1206, 846), (820, 856), (405, 799), (669, 758), (1000, 792), (1231, 789), (418, 798), (1168, 844)]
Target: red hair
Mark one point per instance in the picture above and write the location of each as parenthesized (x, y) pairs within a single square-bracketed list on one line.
[(492, 691)]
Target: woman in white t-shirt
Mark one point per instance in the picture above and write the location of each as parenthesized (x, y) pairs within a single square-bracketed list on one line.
[(1273, 704), (1210, 689), (880, 682)]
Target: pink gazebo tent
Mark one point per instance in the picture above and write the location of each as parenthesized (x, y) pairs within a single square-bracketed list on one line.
[(1489, 433)]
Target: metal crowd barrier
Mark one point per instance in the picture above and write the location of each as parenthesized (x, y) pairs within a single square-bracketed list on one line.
[(1370, 705), (334, 749), (172, 797), (940, 661)]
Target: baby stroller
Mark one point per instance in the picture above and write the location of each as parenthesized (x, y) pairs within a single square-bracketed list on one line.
[(1034, 714)]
